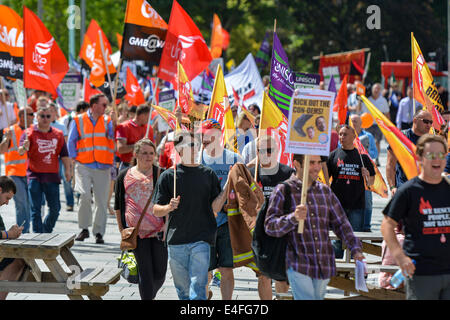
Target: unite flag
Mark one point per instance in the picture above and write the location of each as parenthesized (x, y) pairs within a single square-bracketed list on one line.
[(144, 32), (44, 63), (184, 43), (11, 43)]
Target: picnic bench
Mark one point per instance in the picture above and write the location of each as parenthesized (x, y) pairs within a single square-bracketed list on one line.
[(345, 271), (91, 282)]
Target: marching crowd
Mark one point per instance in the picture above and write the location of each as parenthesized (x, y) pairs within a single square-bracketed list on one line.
[(191, 224)]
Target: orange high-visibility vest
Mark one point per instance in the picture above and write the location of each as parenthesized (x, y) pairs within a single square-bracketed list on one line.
[(93, 144), (15, 164)]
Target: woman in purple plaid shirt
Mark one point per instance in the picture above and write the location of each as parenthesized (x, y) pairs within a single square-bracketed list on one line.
[(310, 259)]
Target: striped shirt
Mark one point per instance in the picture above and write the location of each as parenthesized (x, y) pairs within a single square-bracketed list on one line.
[(310, 253)]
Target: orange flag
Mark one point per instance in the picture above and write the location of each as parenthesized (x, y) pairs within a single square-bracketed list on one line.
[(340, 104), (379, 185), (98, 69), (44, 63), (119, 40), (404, 150), (90, 43), (88, 90), (216, 38), (134, 93)]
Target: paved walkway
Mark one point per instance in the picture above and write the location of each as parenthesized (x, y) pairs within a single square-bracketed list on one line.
[(90, 254)]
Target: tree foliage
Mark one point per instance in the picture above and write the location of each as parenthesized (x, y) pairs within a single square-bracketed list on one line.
[(305, 28)]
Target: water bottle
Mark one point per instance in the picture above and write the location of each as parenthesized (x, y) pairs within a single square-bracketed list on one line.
[(398, 278)]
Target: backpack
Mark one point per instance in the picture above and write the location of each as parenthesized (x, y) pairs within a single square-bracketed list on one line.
[(270, 252)]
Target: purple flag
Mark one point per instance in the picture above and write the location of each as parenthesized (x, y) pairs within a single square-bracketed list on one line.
[(332, 85), (263, 55), (282, 78)]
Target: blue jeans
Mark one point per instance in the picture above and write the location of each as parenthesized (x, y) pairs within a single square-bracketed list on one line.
[(67, 186), (356, 219), (368, 211), (306, 288), (189, 266), (51, 192), (22, 202)]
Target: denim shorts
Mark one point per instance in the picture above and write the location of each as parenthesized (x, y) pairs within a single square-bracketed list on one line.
[(221, 252)]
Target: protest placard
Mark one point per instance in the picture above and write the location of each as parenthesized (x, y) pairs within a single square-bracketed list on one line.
[(306, 80), (309, 122)]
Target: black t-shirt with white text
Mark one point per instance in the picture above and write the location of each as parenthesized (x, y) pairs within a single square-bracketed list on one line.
[(344, 166), (268, 180), (424, 210), (194, 219)]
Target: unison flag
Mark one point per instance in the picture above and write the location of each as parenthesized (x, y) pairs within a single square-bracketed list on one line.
[(11, 43), (263, 55), (403, 148), (281, 78), (44, 63), (144, 32), (184, 43)]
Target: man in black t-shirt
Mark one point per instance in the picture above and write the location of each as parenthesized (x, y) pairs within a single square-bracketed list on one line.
[(350, 172), (422, 204), (270, 173), (422, 122), (192, 225)]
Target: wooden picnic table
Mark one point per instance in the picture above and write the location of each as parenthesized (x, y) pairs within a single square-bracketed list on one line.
[(92, 282), (371, 243)]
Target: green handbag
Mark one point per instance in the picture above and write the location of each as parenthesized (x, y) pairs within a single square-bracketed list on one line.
[(128, 264)]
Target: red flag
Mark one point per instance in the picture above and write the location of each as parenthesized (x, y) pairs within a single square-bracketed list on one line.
[(184, 43), (98, 69), (134, 93), (44, 63), (89, 90), (340, 104)]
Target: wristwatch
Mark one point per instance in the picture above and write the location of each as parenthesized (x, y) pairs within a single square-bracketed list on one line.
[(392, 187)]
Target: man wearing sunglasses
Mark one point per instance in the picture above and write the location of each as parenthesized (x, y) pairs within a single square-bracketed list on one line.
[(44, 146), (190, 208), (422, 122), (91, 146), (423, 206), (219, 159)]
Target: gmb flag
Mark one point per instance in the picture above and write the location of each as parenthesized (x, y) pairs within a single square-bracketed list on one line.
[(11, 43), (144, 32)]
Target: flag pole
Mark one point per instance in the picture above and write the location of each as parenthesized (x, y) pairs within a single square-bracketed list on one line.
[(412, 73), (305, 183), (105, 61), (262, 108), (151, 106)]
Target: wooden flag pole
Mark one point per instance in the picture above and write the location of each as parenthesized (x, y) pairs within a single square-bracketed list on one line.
[(116, 81), (105, 61), (412, 73), (305, 185)]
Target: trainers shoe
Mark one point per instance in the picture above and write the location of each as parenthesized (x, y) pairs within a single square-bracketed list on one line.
[(69, 208), (83, 235), (99, 239)]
